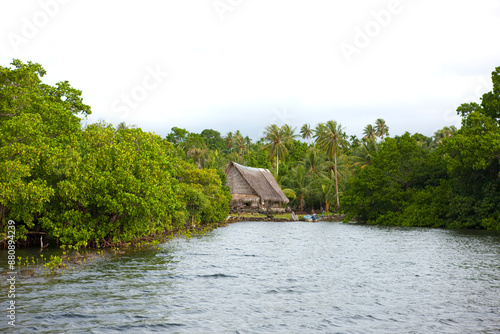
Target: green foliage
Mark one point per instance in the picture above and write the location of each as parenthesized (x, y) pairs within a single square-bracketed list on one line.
[(117, 185), (92, 186), (383, 189), (297, 151), (258, 159), (204, 194), (277, 139), (102, 185), (362, 154), (306, 132), (331, 138), (299, 180), (178, 136), (453, 181), (381, 129), (213, 140), (36, 122), (490, 102)]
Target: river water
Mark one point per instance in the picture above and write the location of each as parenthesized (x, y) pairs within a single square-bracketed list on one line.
[(263, 277)]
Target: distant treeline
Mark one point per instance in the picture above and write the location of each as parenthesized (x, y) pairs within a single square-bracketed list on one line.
[(100, 184), (451, 179)]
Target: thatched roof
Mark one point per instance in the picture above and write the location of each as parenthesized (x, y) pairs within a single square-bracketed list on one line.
[(261, 181)]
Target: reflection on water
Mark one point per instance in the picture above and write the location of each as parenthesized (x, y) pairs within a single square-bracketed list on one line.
[(261, 277)]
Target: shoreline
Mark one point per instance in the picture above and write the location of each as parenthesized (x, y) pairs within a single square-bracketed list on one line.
[(234, 219)]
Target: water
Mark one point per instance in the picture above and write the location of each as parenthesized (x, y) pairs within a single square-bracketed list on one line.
[(262, 277)]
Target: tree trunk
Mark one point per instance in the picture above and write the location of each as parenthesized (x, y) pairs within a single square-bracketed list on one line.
[(277, 162), (336, 182)]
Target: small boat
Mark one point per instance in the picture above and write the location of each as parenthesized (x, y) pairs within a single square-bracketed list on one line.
[(309, 218)]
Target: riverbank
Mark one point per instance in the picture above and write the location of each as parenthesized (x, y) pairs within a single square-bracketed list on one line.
[(32, 262), (286, 217)]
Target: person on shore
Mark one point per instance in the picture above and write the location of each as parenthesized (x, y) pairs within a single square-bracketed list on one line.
[(314, 216), (294, 216)]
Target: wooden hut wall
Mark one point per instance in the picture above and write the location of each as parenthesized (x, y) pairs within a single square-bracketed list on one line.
[(238, 184), (253, 188), (251, 201)]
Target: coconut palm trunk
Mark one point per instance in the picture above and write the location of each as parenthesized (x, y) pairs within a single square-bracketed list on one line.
[(331, 138), (277, 138), (336, 181), (277, 161)]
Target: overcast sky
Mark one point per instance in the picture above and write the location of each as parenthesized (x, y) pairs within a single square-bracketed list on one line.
[(246, 64)]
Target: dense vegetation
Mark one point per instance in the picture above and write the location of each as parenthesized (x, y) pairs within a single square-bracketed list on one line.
[(96, 185), (99, 184), (452, 181)]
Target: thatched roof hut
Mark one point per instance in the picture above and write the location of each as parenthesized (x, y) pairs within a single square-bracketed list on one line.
[(254, 188)]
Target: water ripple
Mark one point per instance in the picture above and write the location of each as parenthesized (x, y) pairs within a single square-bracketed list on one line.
[(261, 277)]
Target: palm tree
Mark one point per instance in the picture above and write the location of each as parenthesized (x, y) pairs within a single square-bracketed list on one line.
[(355, 142), (369, 132), (196, 154), (312, 161), (446, 132), (215, 160), (439, 136), (363, 154), (289, 193), (330, 138), (122, 126), (230, 141), (329, 188), (277, 138), (381, 129), (306, 132), (248, 142), (453, 130), (238, 158), (239, 141), (328, 169), (300, 182), (289, 131), (328, 195)]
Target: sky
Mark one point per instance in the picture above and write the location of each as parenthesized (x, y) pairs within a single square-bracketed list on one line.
[(243, 65)]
